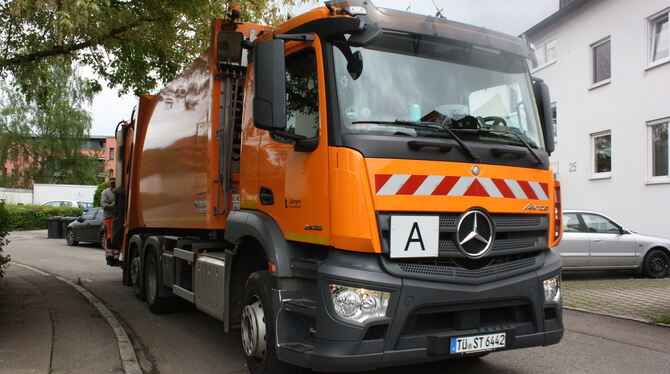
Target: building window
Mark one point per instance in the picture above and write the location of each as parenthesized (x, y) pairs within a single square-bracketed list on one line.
[(658, 150), (601, 146), (601, 61), (111, 153), (545, 53), (110, 174), (659, 37), (554, 116)]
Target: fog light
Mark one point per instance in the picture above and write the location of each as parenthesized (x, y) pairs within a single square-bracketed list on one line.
[(358, 304), (552, 289)]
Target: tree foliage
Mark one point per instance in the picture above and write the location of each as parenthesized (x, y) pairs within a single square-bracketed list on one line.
[(133, 43), (43, 128)]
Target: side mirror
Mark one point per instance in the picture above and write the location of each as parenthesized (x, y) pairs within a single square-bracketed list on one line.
[(80, 219), (541, 92), (270, 85)]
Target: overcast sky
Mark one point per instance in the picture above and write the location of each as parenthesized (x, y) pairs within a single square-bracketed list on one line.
[(509, 16)]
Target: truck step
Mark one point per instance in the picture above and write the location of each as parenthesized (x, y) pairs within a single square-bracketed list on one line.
[(300, 306)]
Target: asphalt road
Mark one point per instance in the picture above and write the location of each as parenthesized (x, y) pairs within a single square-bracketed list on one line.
[(192, 342)]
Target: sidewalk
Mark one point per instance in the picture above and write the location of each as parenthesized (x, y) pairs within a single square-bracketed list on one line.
[(46, 326), (618, 294)]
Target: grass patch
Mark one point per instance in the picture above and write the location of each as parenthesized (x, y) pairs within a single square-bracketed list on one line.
[(665, 319)]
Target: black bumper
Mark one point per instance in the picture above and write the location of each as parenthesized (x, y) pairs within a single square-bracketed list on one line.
[(421, 319)]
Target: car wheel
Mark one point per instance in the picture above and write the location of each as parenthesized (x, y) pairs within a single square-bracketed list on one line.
[(656, 264), (257, 327), (135, 267), (70, 238), (103, 238), (152, 284)]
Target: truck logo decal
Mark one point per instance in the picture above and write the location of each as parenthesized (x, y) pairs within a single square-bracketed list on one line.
[(474, 233), (446, 185)]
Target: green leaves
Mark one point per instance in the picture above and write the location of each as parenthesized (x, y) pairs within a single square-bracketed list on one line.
[(133, 44)]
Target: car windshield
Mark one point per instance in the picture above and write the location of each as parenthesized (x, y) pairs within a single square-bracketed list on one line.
[(403, 78)]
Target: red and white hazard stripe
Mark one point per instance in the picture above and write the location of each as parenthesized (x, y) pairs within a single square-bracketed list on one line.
[(445, 185)]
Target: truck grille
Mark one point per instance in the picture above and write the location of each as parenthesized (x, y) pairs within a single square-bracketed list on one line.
[(519, 242)]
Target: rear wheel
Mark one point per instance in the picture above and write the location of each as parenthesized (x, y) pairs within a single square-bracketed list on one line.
[(656, 264), (152, 284), (70, 238), (135, 262), (258, 329)]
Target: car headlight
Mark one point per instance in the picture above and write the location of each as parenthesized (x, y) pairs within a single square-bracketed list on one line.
[(358, 304), (552, 289)]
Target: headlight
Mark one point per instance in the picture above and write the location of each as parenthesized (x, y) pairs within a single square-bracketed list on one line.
[(552, 289), (358, 304)]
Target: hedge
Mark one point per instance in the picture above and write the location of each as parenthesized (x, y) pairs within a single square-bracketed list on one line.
[(31, 217)]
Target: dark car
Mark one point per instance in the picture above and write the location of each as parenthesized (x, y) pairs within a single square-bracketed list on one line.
[(87, 228)]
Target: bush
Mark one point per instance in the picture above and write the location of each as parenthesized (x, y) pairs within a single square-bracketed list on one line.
[(96, 196), (4, 228), (30, 217)]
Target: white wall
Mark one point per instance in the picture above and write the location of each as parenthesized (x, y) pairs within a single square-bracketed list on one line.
[(634, 96), (45, 192), (16, 196)]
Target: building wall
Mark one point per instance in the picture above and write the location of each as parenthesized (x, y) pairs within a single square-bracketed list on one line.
[(635, 95)]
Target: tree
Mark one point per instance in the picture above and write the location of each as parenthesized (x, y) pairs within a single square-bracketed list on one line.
[(43, 128), (133, 43)]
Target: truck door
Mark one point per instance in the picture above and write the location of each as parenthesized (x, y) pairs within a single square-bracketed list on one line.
[(294, 184)]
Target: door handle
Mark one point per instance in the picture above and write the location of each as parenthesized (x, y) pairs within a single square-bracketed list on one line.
[(266, 196), (597, 240)]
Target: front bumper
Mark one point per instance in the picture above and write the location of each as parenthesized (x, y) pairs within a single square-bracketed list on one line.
[(421, 319)]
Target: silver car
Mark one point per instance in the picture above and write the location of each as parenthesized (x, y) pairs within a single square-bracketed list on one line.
[(594, 241)]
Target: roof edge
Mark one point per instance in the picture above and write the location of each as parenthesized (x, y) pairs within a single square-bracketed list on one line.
[(555, 17)]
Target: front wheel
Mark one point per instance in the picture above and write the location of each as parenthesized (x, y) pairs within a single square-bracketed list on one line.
[(135, 268), (103, 238), (70, 238), (258, 329), (152, 285), (656, 264)]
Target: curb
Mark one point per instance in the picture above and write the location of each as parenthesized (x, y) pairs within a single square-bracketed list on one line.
[(126, 351), (617, 316)]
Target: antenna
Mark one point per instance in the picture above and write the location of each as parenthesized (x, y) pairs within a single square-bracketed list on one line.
[(409, 7), (438, 14)]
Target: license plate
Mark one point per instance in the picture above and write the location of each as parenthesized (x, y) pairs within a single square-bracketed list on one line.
[(477, 343), (415, 236)]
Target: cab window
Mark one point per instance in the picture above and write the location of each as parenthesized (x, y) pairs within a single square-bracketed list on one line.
[(571, 223), (302, 94), (599, 224)]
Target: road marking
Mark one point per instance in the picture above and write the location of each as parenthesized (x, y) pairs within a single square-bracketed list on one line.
[(126, 351)]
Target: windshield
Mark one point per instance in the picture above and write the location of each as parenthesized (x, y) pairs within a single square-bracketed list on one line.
[(409, 78)]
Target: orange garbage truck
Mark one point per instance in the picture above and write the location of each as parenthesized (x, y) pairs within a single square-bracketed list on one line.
[(355, 188)]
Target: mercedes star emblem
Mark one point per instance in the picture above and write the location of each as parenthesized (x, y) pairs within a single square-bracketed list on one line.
[(474, 234), (475, 169)]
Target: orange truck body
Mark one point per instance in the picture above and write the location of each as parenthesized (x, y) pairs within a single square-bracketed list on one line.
[(326, 202)]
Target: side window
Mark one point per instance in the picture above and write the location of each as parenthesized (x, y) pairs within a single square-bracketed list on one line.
[(90, 215), (302, 94), (100, 214), (571, 223), (599, 224)]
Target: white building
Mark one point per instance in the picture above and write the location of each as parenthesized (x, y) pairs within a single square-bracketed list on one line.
[(607, 64)]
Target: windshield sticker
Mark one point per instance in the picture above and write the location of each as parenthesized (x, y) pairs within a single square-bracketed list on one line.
[(344, 81), (365, 113), (352, 112)]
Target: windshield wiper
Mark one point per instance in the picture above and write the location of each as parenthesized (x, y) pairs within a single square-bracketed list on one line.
[(507, 133), (432, 125)]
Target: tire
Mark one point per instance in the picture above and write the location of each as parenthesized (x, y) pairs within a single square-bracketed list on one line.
[(656, 264), (135, 268), (257, 327), (70, 238), (152, 285)]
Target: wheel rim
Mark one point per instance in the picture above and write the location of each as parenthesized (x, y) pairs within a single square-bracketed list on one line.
[(658, 265), (70, 237), (254, 338), (103, 236), (135, 268)]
